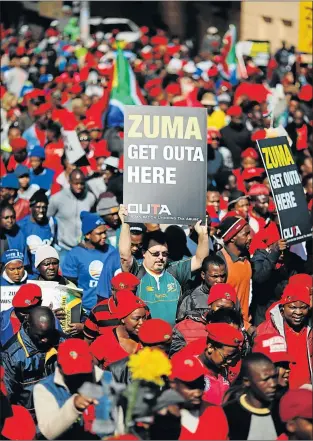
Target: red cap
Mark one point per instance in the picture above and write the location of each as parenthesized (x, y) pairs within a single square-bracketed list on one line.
[(234, 111), (222, 291), (144, 29), (127, 302), (296, 403), (20, 425), (252, 172), (306, 93), (273, 346), (159, 40), (154, 92), (301, 279), (259, 134), (18, 144), (28, 295), (250, 153), (42, 109), (74, 357), (155, 331), (125, 281), (224, 334), (186, 367), (225, 85), (295, 293), (91, 124), (258, 190), (212, 131), (173, 89)]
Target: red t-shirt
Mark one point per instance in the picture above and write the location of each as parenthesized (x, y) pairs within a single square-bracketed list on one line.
[(297, 348), (215, 387), (201, 430)]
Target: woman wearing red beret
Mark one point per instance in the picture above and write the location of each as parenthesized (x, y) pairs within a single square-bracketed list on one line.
[(118, 342)]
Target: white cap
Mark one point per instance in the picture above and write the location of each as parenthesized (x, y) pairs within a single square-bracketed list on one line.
[(99, 35), (174, 66), (224, 98), (103, 48), (45, 252), (111, 161), (54, 23), (190, 67), (212, 30)]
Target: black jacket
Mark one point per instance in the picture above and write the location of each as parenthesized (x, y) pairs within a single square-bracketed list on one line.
[(120, 371), (268, 282), (197, 299), (236, 140)]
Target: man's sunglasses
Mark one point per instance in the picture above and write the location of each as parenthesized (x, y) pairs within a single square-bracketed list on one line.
[(159, 253), (84, 138)]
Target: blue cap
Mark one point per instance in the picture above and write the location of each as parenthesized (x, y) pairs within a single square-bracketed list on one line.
[(10, 181), (10, 255), (37, 151), (46, 78), (90, 221), (21, 170)]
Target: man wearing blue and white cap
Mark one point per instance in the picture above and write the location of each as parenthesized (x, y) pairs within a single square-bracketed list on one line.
[(84, 263), (40, 175), (13, 271)]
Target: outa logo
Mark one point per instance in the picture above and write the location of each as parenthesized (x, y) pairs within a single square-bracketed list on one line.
[(148, 209), (291, 232)]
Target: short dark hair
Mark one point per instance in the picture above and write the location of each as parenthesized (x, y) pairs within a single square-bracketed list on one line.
[(225, 315), (4, 205), (252, 359), (212, 188), (212, 259), (157, 236)]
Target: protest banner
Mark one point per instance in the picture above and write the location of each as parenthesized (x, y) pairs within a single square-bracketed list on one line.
[(74, 152), (305, 27), (259, 51), (165, 164), (287, 190), (62, 296), (7, 294)]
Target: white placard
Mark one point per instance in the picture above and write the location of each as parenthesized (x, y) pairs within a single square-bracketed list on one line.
[(7, 294), (72, 147)]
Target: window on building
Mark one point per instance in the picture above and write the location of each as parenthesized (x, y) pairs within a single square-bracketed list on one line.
[(267, 19), (288, 23)]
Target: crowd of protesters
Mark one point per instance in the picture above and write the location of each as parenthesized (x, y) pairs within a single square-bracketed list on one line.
[(185, 333)]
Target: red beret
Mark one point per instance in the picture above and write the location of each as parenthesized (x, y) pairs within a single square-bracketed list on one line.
[(250, 153), (173, 89), (155, 92), (225, 85), (252, 172), (273, 346), (18, 144), (173, 49), (295, 293), (127, 302), (42, 109), (213, 71), (28, 295), (155, 331), (144, 29), (152, 83), (222, 291), (306, 93), (252, 70), (146, 55), (212, 131), (91, 124), (186, 367), (301, 279), (258, 190), (258, 134), (224, 334), (125, 281), (74, 357), (159, 40), (20, 51), (296, 403), (234, 111), (101, 149), (20, 425)]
